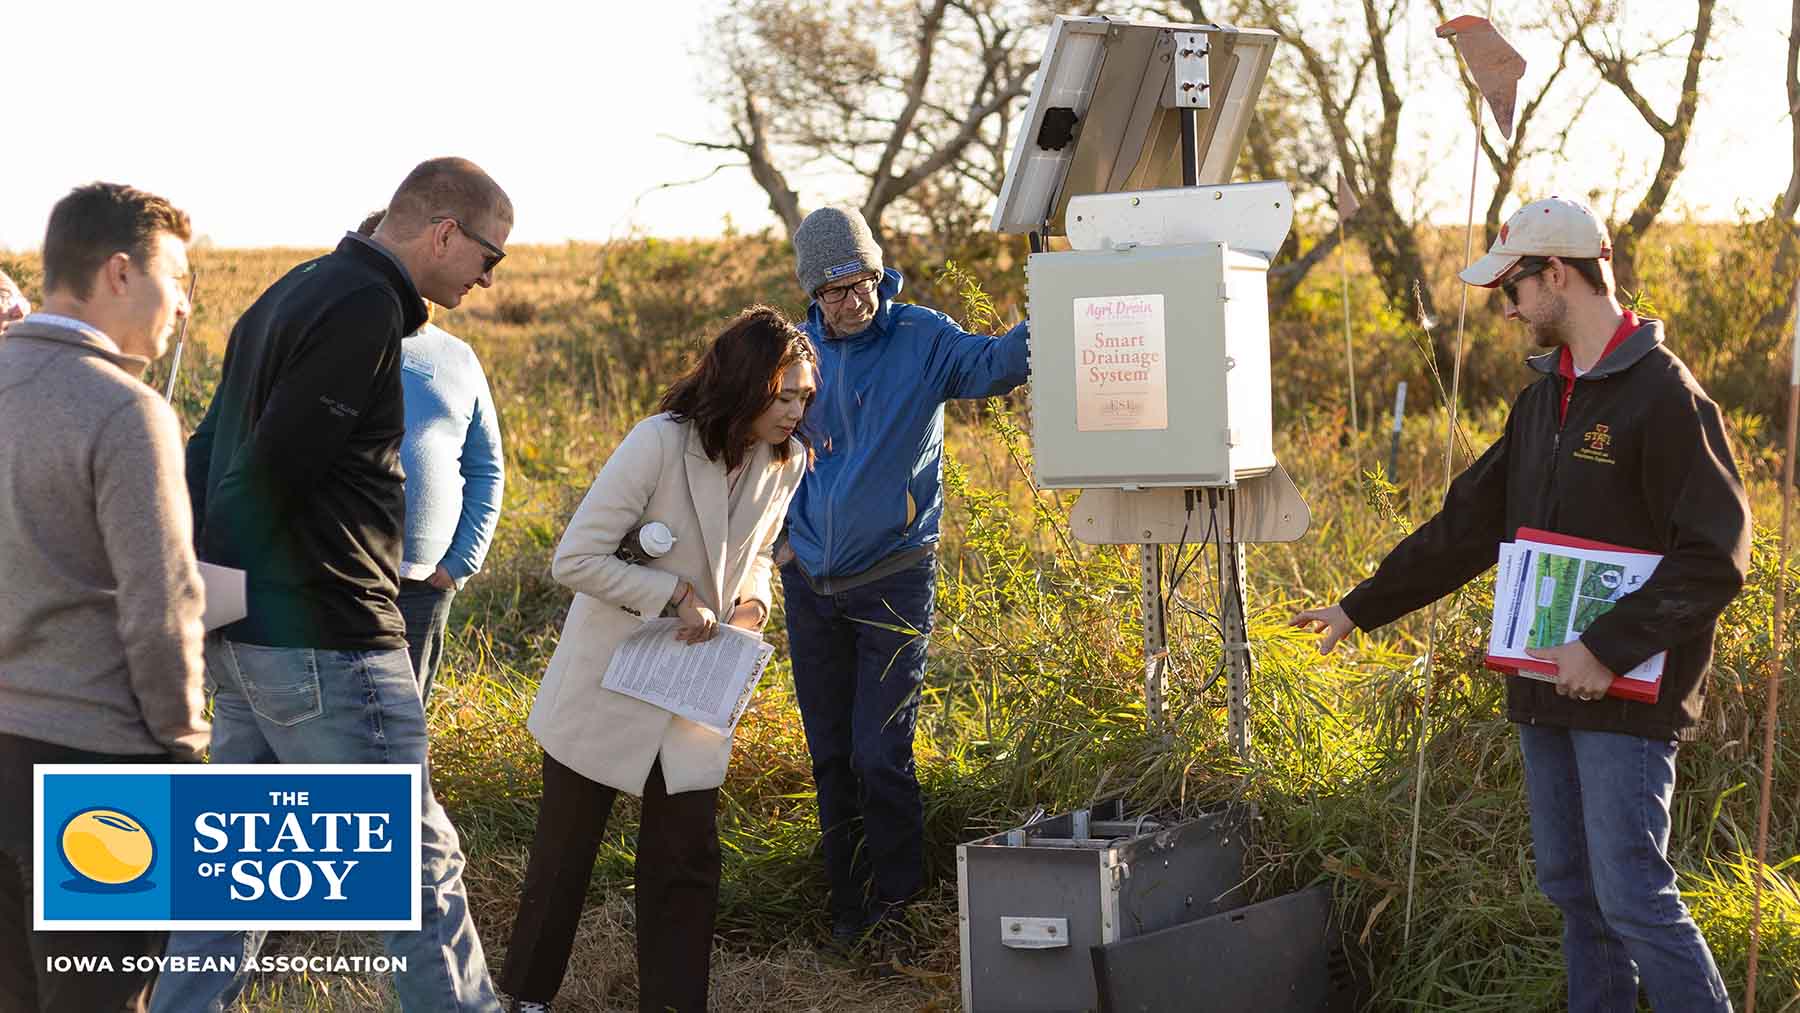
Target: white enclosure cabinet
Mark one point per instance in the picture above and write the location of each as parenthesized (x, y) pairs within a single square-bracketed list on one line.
[(1149, 367)]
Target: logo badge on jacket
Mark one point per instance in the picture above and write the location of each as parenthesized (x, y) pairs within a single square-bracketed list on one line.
[(1595, 445)]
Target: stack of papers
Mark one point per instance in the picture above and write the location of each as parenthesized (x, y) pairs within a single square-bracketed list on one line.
[(708, 683), (226, 599), (1549, 588)]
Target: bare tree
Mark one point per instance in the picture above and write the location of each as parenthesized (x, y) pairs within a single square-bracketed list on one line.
[(908, 101), (1333, 73), (1506, 157), (1787, 250), (1281, 144), (1790, 201), (1606, 50)]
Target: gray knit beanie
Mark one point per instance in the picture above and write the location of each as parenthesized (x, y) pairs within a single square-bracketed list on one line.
[(831, 244)]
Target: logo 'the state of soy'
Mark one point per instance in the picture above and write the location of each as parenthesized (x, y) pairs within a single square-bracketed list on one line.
[(239, 846)]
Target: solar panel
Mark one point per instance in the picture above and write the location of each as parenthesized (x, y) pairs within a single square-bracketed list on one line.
[(1103, 115)]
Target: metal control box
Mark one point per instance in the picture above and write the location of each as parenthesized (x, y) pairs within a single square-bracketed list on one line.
[(1035, 901), (1150, 367)]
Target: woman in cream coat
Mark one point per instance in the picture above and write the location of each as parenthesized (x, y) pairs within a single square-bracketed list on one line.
[(718, 466)]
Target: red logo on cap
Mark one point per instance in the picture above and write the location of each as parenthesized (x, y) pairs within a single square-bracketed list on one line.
[(1503, 230)]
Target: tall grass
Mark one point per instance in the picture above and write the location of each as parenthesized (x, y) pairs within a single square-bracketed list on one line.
[(1034, 697)]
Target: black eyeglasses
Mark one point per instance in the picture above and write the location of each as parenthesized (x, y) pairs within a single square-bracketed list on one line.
[(838, 293), (1510, 285), (494, 253)]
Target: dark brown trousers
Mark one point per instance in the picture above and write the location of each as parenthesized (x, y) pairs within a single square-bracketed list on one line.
[(677, 877)]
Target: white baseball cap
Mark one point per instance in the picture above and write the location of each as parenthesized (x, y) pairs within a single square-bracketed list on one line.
[(1552, 227)]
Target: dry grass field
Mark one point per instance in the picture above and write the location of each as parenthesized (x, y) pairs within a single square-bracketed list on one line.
[(1034, 694)]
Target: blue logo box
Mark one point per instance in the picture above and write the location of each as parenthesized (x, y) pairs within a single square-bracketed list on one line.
[(226, 846)]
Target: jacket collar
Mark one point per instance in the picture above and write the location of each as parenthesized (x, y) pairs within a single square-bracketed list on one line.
[(708, 488), (1622, 353), (76, 334), (891, 284), (412, 304)]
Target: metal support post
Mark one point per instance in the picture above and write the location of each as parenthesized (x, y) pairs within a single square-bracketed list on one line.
[(1156, 640), (1190, 147), (1237, 630)]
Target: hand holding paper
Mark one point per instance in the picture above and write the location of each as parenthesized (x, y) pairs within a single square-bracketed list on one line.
[(1578, 673), (708, 682), (1549, 587)]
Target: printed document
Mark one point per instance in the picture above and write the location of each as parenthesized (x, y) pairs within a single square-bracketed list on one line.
[(225, 597), (1549, 589), (709, 684)]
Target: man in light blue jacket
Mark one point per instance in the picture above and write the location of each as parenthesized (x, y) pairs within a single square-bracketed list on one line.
[(860, 573), (455, 477), (454, 481)]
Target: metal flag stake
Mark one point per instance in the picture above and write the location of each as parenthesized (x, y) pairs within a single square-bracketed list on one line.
[(181, 338), (1775, 669), (1496, 67)]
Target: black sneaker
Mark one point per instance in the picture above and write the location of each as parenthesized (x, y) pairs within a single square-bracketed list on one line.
[(891, 940), (847, 929)]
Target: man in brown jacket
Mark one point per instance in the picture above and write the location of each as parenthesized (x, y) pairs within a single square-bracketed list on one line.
[(100, 605), (1615, 442)]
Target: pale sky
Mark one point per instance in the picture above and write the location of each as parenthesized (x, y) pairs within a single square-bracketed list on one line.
[(283, 124), (286, 123)]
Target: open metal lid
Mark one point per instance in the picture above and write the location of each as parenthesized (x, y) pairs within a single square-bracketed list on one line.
[(1103, 115)]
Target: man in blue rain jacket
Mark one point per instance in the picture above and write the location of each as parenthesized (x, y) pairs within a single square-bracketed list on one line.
[(860, 567)]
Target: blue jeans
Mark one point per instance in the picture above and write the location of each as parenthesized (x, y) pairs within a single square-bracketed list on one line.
[(297, 705), (426, 610), (1600, 830), (859, 664)]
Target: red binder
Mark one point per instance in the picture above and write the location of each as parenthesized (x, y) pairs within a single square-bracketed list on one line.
[(1639, 690)]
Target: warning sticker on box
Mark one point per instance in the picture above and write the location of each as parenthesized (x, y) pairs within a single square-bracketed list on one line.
[(1121, 368)]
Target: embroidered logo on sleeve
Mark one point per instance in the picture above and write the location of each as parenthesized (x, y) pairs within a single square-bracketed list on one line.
[(338, 408), (1596, 445)]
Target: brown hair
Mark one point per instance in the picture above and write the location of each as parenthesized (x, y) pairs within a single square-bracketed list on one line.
[(737, 379), (1589, 269), (98, 220), (451, 187)]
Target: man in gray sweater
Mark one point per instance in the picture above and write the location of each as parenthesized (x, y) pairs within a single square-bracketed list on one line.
[(100, 634)]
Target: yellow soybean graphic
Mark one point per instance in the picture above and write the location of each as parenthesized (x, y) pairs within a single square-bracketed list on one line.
[(107, 846)]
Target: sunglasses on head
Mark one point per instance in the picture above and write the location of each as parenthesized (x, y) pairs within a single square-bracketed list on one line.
[(1510, 285)]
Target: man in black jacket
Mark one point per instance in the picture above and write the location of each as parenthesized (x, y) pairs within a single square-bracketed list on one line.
[(1615, 442), (295, 477)]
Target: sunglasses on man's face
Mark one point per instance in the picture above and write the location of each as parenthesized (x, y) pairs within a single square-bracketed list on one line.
[(1511, 285), (494, 253)]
